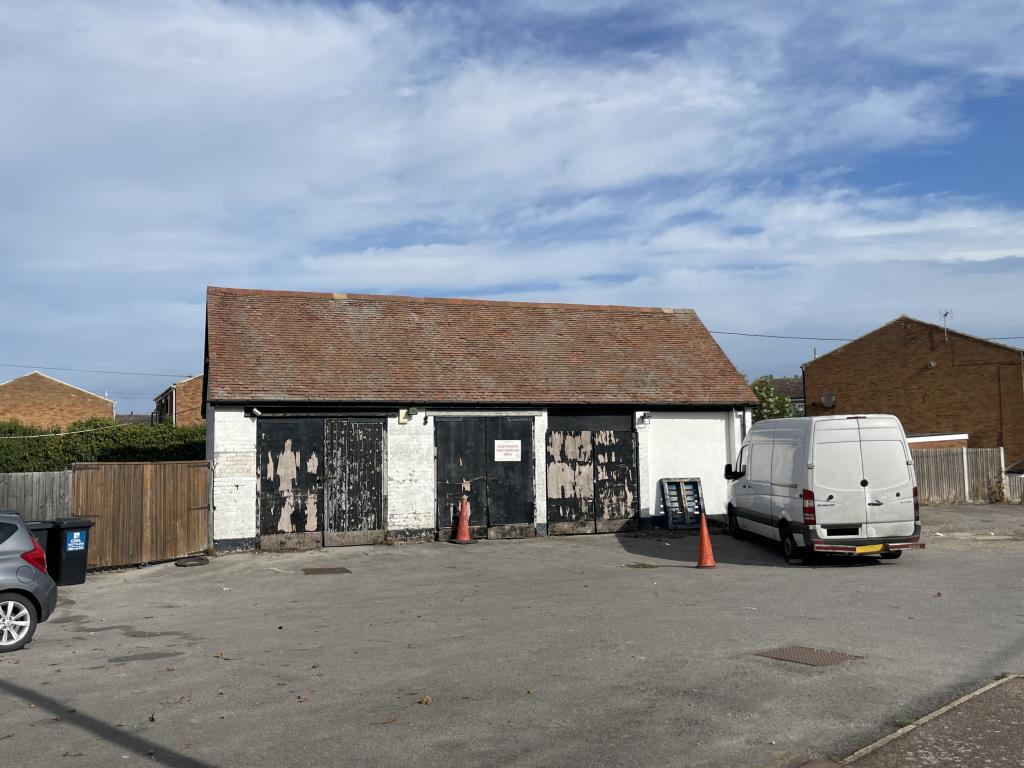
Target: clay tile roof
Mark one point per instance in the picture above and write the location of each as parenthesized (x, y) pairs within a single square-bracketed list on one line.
[(789, 386), (276, 346)]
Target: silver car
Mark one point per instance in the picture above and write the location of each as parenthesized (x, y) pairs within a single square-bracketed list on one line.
[(27, 593)]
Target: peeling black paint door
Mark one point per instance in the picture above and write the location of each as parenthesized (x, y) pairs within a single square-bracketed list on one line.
[(490, 459), (291, 492), (616, 501), (592, 481), (570, 481), (354, 495)]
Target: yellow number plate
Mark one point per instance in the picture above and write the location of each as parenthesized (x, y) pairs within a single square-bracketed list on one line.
[(869, 548)]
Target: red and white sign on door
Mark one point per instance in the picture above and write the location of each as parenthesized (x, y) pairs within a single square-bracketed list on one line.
[(508, 450)]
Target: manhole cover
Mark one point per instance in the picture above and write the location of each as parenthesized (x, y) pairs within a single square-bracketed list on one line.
[(814, 657), (324, 571)]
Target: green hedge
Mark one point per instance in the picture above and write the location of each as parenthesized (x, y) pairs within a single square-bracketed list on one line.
[(124, 442)]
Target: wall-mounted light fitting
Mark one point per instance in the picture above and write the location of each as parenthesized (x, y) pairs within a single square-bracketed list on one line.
[(256, 412), (645, 418)]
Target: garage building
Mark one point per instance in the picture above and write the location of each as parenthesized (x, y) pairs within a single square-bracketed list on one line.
[(339, 419)]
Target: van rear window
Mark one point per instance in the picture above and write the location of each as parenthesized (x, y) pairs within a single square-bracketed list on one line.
[(837, 466), (885, 463)]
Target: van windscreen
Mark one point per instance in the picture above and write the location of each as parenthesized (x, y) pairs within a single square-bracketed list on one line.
[(837, 466), (885, 463)]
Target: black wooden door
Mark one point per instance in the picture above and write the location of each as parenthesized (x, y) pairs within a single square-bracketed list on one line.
[(490, 459), (616, 501), (510, 489), (291, 496), (461, 445), (354, 487), (570, 481), (592, 481)]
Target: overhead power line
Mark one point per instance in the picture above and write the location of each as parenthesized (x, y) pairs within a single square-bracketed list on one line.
[(775, 336), (823, 338), (91, 370), (62, 434)]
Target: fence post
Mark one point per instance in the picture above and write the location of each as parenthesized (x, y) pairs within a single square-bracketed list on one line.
[(967, 478), (210, 545), (1004, 480), (145, 543)]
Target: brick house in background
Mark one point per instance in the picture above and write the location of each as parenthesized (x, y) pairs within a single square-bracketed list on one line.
[(181, 403), (941, 384), (793, 388), (38, 400)]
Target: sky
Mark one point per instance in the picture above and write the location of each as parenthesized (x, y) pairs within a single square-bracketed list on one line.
[(784, 168)]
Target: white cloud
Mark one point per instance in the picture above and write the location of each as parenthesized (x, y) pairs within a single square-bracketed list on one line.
[(160, 147)]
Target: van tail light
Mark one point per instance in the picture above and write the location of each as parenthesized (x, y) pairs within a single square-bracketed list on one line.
[(809, 516), (917, 506), (35, 556)]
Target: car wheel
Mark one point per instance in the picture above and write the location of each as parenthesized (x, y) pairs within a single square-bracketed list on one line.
[(892, 555), (17, 621), (790, 550), (734, 525)]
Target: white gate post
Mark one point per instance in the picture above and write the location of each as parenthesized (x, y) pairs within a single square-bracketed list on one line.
[(1004, 480), (967, 479)]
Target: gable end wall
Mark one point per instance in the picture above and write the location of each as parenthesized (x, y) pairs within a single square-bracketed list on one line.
[(934, 385)]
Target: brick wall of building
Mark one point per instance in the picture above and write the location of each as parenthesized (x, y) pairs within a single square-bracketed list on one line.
[(188, 402), (41, 401), (935, 383)]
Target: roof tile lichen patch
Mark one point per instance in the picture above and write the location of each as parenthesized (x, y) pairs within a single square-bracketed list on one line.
[(814, 657)]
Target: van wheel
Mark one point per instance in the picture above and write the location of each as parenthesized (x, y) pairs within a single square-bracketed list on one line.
[(892, 555), (790, 550), (734, 525)]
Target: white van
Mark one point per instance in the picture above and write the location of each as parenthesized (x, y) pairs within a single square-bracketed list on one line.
[(836, 484)]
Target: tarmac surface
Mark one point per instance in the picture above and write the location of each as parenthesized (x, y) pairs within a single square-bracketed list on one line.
[(589, 651)]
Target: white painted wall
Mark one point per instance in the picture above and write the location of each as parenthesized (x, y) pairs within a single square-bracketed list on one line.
[(411, 473), (540, 474), (681, 444), (231, 450), (643, 447)]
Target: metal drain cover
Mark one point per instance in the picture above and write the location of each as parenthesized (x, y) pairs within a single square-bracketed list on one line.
[(814, 657), (324, 571)]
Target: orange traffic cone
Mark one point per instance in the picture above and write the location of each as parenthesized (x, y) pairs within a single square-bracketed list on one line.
[(705, 557), (462, 529)]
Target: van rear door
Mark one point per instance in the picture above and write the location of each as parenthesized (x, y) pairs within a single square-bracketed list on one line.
[(838, 471), (890, 487)]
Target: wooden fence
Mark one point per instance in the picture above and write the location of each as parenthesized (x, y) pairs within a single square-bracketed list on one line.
[(37, 495), (1015, 489), (965, 475), (143, 512)]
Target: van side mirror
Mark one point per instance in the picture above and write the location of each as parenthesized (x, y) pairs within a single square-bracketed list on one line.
[(730, 475)]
